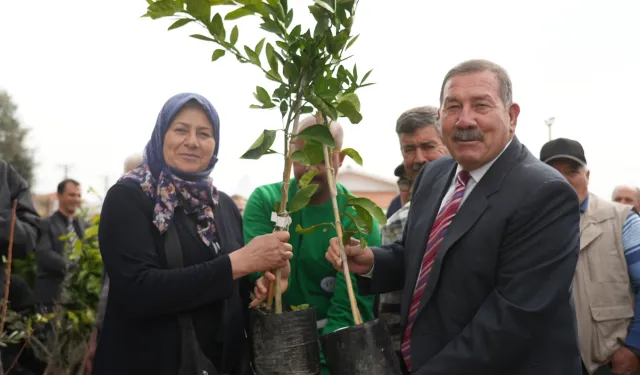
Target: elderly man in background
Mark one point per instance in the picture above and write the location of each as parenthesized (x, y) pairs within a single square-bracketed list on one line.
[(627, 195), (420, 142), (607, 278), (131, 162), (240, 201)]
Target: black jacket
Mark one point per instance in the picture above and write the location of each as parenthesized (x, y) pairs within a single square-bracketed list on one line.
[(498, 299), (12, 187), (140, 333), (50, 259)]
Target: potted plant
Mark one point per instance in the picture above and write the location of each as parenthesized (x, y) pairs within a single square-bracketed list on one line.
[(308, 70)]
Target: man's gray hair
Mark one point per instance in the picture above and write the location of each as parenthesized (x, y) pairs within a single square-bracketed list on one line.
[(636, 189), (417, 118), (132, 161), (475, 66)]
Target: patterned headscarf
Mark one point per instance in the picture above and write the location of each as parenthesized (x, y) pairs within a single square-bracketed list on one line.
[(170, 187)]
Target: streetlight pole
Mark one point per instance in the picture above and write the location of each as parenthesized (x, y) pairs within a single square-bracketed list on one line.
[(549, 122)]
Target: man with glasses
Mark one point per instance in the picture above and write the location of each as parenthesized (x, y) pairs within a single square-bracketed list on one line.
[(420, 142)]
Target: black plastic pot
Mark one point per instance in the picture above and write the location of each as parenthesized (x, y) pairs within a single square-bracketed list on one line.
[(286, 343), (361, 350)]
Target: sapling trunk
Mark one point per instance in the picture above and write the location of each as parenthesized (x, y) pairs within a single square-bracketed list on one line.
[(284, 198), (7, 284), (336, 212)]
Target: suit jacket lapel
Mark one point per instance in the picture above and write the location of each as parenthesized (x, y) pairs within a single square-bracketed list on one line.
[(471, 210)]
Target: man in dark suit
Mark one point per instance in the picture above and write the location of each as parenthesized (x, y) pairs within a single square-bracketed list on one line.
[(52, 252), (489, 249)]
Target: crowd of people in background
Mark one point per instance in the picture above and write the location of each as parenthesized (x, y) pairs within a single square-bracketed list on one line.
[(541, 276)]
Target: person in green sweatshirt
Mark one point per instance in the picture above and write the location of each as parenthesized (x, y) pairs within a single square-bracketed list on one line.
[(312, 279)]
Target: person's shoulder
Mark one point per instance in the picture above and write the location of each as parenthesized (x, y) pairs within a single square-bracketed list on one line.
[(434, 169), (533, 171), (125, 192), (601, 205), (225, 202), (268, 191)]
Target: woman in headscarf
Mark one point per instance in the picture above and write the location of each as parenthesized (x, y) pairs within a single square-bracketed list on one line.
[(143, 328)]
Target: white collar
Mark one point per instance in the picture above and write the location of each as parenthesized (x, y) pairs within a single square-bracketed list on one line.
[(478, 173)]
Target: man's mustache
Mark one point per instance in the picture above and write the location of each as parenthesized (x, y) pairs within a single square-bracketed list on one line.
[(467, 135)]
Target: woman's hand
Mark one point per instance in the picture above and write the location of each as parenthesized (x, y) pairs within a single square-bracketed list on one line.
[(262, 285), (263, 253)]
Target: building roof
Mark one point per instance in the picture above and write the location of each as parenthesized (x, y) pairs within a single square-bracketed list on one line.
[(357, 179)]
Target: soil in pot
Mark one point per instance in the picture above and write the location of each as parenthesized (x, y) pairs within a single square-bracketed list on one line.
[(361, 350), (285, 343)]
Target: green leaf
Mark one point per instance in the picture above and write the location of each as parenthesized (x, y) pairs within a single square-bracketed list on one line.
[(365, 77), (363, 242), (199, 9), (202, 37), (306, 109), (302, 198), (349, 110), (351, 97), (353, 154), (310, 230), (300, 156), (262, 95), (320, 104), (253, 57), (259, 46), (217, 54), (280, 12), (319, 133), (271, 26), (295, 32), (217, 27), (289, 18), (306, 178), (264, 106), (163, 8), (238, 13), (221, 2), (299, 307), (179, 23), (234, 36), (324, 5), (271, 57), (371, 207), (289, 70), (284, 107), (314, 152), (353, 40), (360, 224), (346, 236), (261, 146), (92, 231), (366, 218)]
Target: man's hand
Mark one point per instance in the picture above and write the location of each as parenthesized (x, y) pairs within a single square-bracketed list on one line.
[(360, 261), (262, 285), (623, 361)]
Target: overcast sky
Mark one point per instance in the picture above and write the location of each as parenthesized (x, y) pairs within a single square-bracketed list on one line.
[(89, 78)]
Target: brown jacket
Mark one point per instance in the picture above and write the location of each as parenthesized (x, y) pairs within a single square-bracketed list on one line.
[(604, 299)]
